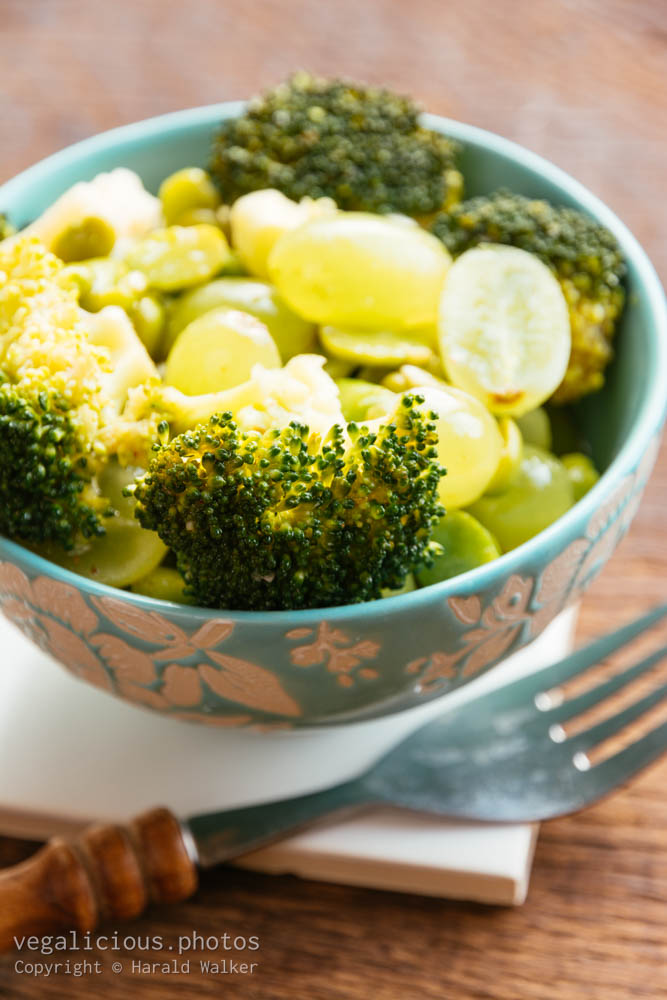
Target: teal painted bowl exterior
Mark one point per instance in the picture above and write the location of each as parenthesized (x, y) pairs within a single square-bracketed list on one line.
[(338, 665)]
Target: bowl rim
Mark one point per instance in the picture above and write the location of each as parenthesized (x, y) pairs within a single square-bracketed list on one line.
[(647, 424)]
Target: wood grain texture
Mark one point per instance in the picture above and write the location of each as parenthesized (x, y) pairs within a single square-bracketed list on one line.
[(583, 83), (108, 873)]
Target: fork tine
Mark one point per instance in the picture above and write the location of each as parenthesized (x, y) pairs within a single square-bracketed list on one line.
[(596, 651), (624, 765), (615, 723), (575, 706)]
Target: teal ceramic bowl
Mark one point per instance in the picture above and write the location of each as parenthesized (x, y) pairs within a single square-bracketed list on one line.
[(333, 666)]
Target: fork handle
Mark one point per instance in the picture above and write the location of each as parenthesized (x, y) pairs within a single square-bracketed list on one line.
[(106, 872)]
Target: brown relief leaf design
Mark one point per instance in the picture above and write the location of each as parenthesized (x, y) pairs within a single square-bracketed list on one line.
[(333, 647), (141, 695), (14, 582), (645, 467), (597, 556), (17, 611), (511, 603), (299, 633), (441, 667), (556, 587), (609, 510), (212, 633), (181, 685), (475, 635), (73, 652), (175, 651), (64, 602), (467, 609), (629, 513), (492, 648), (497, 626), (147, 625), (557, 578), (126, 662), (248, 684)]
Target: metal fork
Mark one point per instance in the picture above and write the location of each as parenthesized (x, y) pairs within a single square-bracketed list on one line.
[(502, 757)]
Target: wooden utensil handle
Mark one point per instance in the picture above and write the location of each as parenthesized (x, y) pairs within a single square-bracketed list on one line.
[(107, 872)]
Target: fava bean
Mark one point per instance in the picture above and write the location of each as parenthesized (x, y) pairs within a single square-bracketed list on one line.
[(179, 256), (186, 190)]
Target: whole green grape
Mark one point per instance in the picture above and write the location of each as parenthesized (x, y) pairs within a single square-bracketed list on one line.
[(357, 270), (465, 544), (148, 316), (163, 584), (470, 445), (292, 334), (540, 493), (218, 351), (126, 552), (535, 428), (583, 474)]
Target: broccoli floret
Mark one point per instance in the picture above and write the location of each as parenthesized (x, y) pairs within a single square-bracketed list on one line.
[(362, 146), (288, 519), (583, 255), (64, 382)]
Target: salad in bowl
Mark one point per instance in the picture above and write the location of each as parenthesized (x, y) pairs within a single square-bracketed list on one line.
[(265, 408)]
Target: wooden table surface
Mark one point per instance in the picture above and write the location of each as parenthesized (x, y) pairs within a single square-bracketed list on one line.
[(582, 82)]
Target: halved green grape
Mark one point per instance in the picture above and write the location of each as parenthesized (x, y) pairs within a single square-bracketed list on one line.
[(354, 269), (112, 482), (126, 552), (179, 256), (257, 221), (583, 474), (185, 190), (469, 443), (510, 460), (407, 588), (384, 348), (163, 584), (465, 544), (218, 351), (535, 428), (91, 237), (540, 493), (361, 400), (504, 328), (292, 334), (148, 318)]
